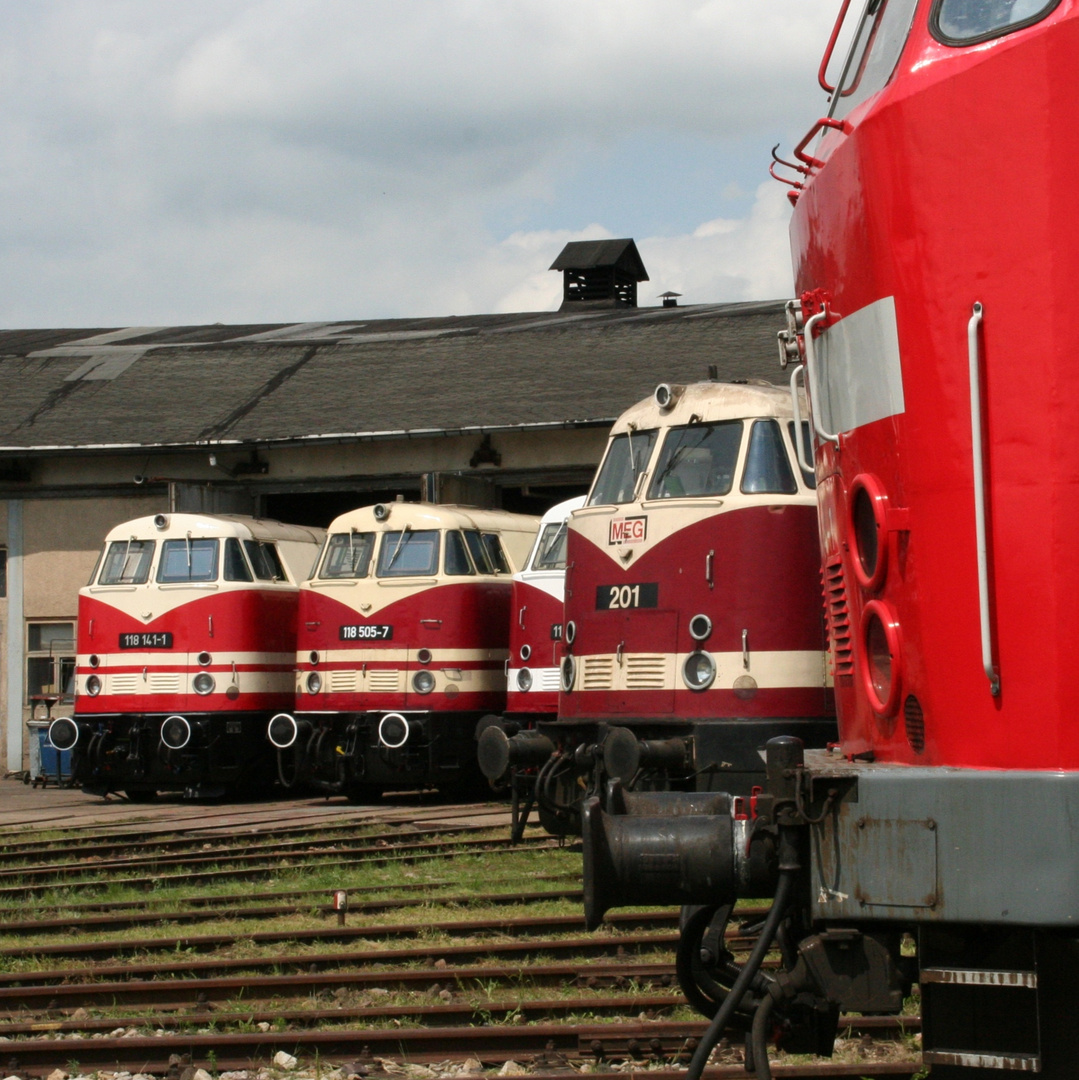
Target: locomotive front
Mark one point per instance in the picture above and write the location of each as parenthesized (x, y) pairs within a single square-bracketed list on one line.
[(692, 613), (402, 647), (185, 646), (934, 248)]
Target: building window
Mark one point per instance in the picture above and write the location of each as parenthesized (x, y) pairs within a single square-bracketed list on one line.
[(50, 660)]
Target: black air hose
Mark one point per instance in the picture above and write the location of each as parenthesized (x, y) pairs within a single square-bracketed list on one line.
[(759, 1038), (742, 983)]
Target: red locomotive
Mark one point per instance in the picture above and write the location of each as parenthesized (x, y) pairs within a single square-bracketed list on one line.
[(693, 626), (934, 250), (186, 642), (402, 647)]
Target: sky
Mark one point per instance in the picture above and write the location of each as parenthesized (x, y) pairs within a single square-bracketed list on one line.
[(248, 161)]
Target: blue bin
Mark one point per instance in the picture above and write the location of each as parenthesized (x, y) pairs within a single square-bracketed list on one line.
[(47, 764)]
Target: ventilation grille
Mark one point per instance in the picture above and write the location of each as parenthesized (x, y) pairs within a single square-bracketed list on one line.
[(646, 671), (597, 673), (343, 682), (914, 719), (384, 681), (837, 614), (548, 679), (165, 682), (127, 683)]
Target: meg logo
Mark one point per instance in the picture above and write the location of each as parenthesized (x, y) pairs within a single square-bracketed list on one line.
[(627, 530)]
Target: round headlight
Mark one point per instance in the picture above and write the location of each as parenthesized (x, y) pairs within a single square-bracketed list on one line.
[(314, 682), (526, 651), (95, 660), (524, 679), (204, 659), (203, 683), (699, 671), (93, 686), (282, 731), (700, 626), (570, 632), (175, 732), (882, 650), (569, 673), (313, 658), (423, 682), (63, 733), (424, 656)]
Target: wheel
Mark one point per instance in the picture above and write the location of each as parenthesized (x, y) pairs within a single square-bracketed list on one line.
[(706, 968), (140, 796)]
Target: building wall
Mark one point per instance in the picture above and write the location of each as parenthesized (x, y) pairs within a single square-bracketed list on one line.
[(52, 545)]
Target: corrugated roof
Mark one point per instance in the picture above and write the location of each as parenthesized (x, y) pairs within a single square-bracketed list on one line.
[(183, 386)]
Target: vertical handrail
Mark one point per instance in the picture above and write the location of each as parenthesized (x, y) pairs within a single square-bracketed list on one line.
[(811, 372), (974, 361), (796, 406), (825, 85)]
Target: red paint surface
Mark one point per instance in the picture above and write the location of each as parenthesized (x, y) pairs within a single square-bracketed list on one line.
[(541, 612), (955, 186)]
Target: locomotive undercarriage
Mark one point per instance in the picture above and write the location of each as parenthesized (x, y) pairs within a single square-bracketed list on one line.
[(362, 754), (559, 763), (882, 876), (210, 754)]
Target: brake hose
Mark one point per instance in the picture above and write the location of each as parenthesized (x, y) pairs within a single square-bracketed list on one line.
[(742, 983)]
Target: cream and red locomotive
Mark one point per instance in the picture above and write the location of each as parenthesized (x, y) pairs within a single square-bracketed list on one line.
[(693, 626), (935, 249), (186, 644), (402, 646)]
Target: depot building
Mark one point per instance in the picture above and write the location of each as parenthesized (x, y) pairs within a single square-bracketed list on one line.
[(301, 422)]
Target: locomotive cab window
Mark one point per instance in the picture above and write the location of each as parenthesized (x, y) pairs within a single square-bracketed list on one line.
[(235, 564), (964, 22), (265, 560), (408, 553), (696, 460), (348, 555), (127, 562), (551, 549), (188, 560), (458, 563), (768, 469), (874, 52), (478, 551), (492, 545), (627, 457)]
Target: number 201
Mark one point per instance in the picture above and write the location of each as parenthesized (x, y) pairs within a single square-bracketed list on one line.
[(625, 596)]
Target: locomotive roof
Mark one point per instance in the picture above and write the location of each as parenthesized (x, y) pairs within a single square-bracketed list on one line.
[(433, 516), (709, 401), (366, 379), (246, 528)]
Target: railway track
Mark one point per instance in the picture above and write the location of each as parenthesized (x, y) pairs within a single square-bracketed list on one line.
[(99, 975)]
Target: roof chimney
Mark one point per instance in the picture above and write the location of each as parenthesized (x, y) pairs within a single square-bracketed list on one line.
[(600, 274), (670, 299)]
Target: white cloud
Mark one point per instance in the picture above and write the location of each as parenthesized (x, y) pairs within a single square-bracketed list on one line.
[(235, 160)]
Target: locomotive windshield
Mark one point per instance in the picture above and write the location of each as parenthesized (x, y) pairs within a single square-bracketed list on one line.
[(187, 560), (127, 562), (348, 555), (768, 469), (697, 460), (408, 553), (964, 21), (551, 550), (627, 457), (874, 52)]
